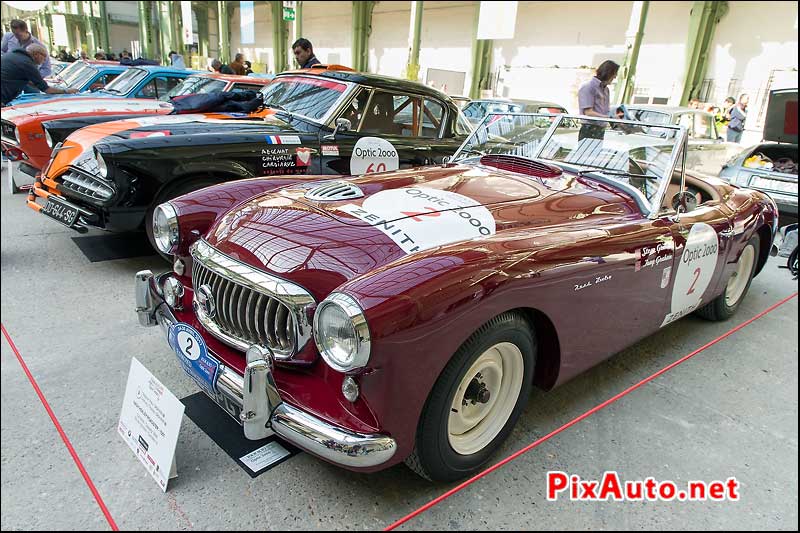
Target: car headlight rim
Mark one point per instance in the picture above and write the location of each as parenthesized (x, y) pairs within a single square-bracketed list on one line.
[(17, 136), (166, 231), (48, 138), (358, 356)]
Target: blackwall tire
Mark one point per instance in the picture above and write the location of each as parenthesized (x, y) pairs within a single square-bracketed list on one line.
[(461, 426)]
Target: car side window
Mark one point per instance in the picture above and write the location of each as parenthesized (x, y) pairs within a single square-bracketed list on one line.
[(704, 126), (432, 116), (391, 115), (462, 125), (148, 91), (354, 111)]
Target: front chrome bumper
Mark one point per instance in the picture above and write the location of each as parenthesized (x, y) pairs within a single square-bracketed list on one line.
[(260, 403)]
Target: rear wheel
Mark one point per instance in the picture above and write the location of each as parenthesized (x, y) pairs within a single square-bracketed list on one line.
[(725, 305), (476, 401), (165, 196)]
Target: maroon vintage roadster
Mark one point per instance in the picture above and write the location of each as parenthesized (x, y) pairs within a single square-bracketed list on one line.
[(405, 316)]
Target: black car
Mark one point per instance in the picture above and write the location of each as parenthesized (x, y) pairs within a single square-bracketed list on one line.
[(315, 122)]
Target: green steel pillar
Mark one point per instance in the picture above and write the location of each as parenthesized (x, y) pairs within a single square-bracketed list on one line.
[(176, 19), (224, 36), (703, 21), (298, 20), (412, 69), (279, 37), (362, 27), (627, 72), (481, 60), (104, 38), (165, 26), (202, 31), (144, 29)]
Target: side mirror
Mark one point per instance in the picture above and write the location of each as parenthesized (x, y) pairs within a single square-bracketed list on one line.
[(684, 202), (343, 125), (446, 159)]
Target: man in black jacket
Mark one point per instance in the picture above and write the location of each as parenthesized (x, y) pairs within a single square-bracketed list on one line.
[(21, 67), (304, 53)]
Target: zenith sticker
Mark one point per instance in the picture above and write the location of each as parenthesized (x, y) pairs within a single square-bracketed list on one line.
[(419, 218), (695, 270), (330, 149), (371, 154), (282, 139)]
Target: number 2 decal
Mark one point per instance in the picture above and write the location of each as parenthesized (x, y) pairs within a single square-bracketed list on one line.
[(189, 346), (696, 277)]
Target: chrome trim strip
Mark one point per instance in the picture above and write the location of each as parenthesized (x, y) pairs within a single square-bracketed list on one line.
[(297, 299)]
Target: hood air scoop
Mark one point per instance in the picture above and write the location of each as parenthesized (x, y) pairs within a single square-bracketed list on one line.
[(334, 191), (521, 165)]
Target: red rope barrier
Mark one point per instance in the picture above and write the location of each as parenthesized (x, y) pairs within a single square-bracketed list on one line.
[(60, 430), (587, 414)]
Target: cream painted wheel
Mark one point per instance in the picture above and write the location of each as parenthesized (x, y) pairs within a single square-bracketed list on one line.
[(740, 279), (485, 398)]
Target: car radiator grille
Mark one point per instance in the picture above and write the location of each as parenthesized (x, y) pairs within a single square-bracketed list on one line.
[(85, 185), (248, 315)]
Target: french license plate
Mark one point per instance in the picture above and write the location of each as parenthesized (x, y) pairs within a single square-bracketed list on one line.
[(60, 211), (774, 185), (193, 356)]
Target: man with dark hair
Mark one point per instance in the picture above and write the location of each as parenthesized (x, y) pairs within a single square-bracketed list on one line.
[(21, 67), (20, 37), (593, 99), (100, 56), (304, 53)]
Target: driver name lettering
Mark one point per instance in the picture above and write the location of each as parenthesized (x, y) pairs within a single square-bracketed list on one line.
[(597, 281)]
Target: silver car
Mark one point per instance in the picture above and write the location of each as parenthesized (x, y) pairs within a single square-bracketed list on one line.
[(771, 166), (708, 151)]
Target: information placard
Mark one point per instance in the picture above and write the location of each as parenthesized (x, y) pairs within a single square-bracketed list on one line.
[(150, 422)]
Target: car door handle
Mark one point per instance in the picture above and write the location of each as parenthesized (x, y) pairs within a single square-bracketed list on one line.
[(727, 233), (421, 148)]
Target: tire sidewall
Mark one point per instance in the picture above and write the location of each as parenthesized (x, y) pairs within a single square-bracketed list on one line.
[(441, 461), (729, 310)]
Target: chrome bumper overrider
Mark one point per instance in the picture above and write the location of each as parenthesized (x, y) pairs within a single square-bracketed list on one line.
[(260, 403)]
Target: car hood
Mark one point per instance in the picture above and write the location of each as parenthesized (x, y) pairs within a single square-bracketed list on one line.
[(322, 244), (781, 122), (62, 108)]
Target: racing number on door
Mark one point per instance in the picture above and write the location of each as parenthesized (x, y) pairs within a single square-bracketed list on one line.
[(696, 277), (380, 167)]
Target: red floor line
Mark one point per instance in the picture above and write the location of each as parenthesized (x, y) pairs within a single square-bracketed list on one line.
[(587, 414), (60, 430)]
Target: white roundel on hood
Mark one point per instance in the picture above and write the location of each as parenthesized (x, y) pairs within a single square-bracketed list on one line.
[(418, 218)]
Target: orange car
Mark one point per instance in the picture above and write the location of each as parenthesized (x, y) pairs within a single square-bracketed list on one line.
[(25, 141)]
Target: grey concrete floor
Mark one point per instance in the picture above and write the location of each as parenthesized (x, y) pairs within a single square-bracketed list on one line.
[(730, 411)]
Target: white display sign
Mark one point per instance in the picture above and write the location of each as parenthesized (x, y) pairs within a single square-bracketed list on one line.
[(150, 422), (264, 456), (60, 36), (497, 20), (186, 22), (247, 21)]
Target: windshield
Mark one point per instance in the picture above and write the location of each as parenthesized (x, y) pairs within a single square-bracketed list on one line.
[(82, 78), (125, 82), (306, 96), (195, 85), (70, 70), (638, 159), (476, 110)]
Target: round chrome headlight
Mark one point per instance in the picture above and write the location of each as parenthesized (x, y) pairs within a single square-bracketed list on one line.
[(341, 333), (48, 139), (173, 292), (102, 168), (166, 232)]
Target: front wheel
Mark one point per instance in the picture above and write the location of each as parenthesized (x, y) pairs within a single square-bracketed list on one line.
[(476, 401), (725, 305)]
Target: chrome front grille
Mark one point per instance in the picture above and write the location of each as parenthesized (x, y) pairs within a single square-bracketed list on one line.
[(85, 185), (249, 306)]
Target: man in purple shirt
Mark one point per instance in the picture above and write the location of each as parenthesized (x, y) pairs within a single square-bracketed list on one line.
[(593, 99), (20, 37)]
